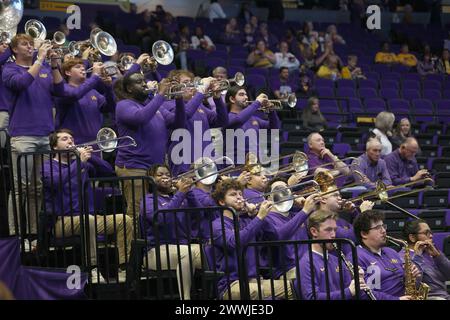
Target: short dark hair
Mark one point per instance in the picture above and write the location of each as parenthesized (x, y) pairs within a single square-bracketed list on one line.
[(53, 137), (411, 227), (282, 68), (222, 188), (363, 222), (232, 92), (155, 167)]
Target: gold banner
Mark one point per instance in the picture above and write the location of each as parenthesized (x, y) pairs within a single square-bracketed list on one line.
[(54, 6)]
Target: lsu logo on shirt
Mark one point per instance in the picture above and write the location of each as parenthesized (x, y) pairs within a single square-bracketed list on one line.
[(93, 98), (43, 75), (394, 261)]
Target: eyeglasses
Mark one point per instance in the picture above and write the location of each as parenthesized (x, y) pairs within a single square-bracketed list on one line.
[(378, 227), (427, 233)]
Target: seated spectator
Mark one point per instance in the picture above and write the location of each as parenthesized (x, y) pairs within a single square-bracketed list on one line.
[(310, 35), (234, 27), (305, 90), (401, 132), (405, 58), (261, 57), (290, 39), (443, 65), (284, 86), (229, 36), (245, 13), (383, 130), (248, 37), (328, 51), (351, 71), (181, 60), (385, 56), (202, 41), (254, 23), (159, 13), (330, 69), (372, 166), (285, 58), (215, 10), (332, 35), (144, 31), (309, 61), (269, 38), (402, 163), (313, 120), (426, 66)]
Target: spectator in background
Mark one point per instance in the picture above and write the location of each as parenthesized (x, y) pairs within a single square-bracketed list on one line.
[(230, 36), (351, 71), (313, 120), (215, 10), (220, 73), (443, 65), (245, 12), (248, 37), (233, 26), (159, 13), (269, 38), (330, 69), (309, 62), (201, 41), (332, 35), (426, 66), (401, 132), (285, 58), (292, 42), (144, 31), (328, 51), (283, 86), (405, 58), (261, 57), (383, 130), (254, 23), (305, 89), (385, 55)]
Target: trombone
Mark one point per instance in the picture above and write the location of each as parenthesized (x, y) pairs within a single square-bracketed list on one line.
[(273, 105), (251, 165), (205, 170), (107, 141), (101, 41), (299, 163)]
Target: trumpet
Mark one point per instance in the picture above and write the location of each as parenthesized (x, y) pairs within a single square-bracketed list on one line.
[(107, 141), (162, 54), (273, 105), (36, 30), (224, 85), (109, 69)]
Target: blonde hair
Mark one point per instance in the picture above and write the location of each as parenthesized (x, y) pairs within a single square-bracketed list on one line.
[(318, 217), (384, 121)]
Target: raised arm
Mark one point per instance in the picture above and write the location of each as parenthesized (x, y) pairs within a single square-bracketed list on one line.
[(130, 114), (243, 116)]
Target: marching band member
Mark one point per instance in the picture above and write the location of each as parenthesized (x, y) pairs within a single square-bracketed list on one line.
[(197, 116), (228, 193), (82, 107), (256, 184), (5, 54), (319, 155), (372, 166), (434, 264), (402, 163), (243, 116), (322, 225), (383, 268), (148, 125), (60, 182), (29, 88), (170, 227)]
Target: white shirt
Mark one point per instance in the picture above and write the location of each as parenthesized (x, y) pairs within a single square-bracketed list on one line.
[(287, 60), (196, 41), (215, 11), (386, 145)]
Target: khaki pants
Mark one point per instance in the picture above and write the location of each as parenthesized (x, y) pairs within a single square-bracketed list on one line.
[(133, 203), (105, 225), (169, 255), (278, 288)]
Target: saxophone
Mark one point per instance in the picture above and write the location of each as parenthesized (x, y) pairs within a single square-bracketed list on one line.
[(420, 293)]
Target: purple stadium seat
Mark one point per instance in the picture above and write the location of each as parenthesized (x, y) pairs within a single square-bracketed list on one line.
[(410, 94), (432, 94), (432, 84), (381, 68), (442, 106), (232, 69), (438, 239), (325, 91), (373, 75), (411, 84), (434, 77), (446, 94), (389, 84), (218, 54), (375, 105), (422, 109), (130, 48), (400, 107), (256, 81), (196, 55), (386, 93), (257, 71), (367, 93), (412, 76), (345, 83), (212, 63), (341, 149), (391, 76), (369, 83), (238, 62), (346, 92), (319, 82), (355, 105), (400, 68)]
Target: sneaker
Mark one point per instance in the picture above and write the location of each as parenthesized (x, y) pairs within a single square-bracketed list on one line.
[(121, 276), (96, 276)]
